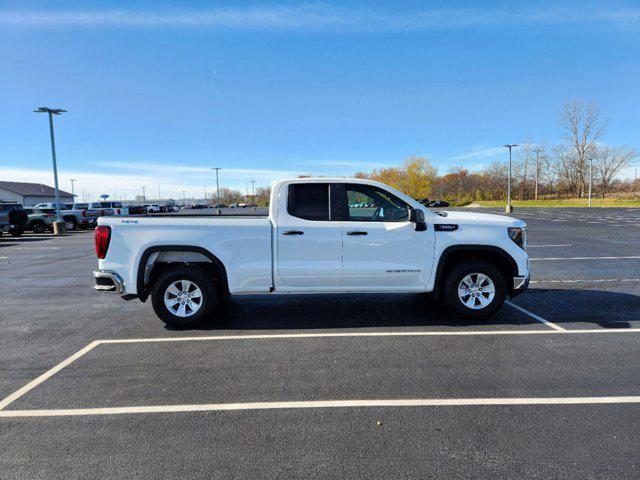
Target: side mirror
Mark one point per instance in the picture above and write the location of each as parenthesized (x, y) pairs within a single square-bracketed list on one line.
[(417, 216)]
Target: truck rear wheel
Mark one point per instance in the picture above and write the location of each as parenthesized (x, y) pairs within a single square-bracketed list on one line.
[(474, 288), (184, 296)]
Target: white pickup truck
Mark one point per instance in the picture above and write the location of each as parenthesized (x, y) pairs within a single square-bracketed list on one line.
[(322, 235)]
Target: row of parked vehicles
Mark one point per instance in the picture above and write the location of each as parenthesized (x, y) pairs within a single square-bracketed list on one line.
[(16, 219)]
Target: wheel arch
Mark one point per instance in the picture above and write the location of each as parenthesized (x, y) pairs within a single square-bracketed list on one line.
[(195, 255), (495, 255)]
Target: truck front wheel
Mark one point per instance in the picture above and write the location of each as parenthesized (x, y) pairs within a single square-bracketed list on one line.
[(474, 288), (184, 296)]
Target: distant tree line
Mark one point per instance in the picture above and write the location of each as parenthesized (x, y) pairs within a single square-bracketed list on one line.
[(561, 171)]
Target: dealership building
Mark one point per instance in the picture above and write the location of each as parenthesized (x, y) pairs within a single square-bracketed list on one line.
[(30, 194)]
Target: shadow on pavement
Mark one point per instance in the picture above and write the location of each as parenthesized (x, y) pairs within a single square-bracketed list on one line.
[(15, 241), (583, 308), (266, 312), (257, 312)]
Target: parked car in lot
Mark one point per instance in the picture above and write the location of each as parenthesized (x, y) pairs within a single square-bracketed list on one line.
[(312, 241), (73, 217), (151, 207), (111, 208), (13, 219), (78, 215), (40, 220), (438, 204), (220, 205), (233, 205)]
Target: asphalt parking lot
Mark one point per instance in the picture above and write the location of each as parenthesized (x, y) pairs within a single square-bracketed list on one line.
[(321, 386)]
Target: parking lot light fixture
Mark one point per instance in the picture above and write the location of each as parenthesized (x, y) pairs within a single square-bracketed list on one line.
[(52, 112), (509, 208), (217, 169)]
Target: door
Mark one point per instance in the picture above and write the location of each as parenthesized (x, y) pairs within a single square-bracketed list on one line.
[(381, 247), (309, 238)]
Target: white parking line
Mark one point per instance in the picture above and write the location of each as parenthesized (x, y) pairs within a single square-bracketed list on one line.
[(560, 245), (556, 331), (587, 258), (49, 373), (535, 317), (316, 404), (588, 280)]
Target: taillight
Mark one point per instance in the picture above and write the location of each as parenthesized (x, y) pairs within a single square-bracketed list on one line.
[(103, 235), (118, 211), (84, 213)]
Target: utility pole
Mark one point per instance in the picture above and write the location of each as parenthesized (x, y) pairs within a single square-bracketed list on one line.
[(537, 150), (253, 187), (217, 183), (184, 198), (159, 194), (144, 193), (205, 193), (73, 192), (58, 229), (509, 208)]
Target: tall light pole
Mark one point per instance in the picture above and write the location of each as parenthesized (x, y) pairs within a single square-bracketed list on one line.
[(509, 208), (184, 198), (52, 112), (217, 183), (537, 150), (205, 193), (253, 187), (73, 191), (144, 193)]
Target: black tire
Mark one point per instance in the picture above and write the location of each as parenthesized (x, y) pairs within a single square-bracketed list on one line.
[(453, 279), (196, 275), (38, 227), (16, 232)]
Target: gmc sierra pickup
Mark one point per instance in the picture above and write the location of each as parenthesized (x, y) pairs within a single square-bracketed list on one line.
[(321, 235)]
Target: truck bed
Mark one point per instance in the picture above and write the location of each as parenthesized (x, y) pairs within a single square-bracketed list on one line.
[(236, 240)]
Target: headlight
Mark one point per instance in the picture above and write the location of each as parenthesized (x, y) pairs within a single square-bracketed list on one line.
[(519, 236)]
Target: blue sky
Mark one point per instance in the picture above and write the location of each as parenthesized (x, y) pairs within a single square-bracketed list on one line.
[(159, 92)]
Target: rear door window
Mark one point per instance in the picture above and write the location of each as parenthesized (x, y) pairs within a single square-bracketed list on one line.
[(310, 201)]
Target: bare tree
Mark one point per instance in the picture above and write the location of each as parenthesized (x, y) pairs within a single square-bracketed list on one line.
[(523, 160), (583, 128), (608, 161)]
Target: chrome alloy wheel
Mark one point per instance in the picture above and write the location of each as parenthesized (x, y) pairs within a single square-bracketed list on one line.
[(183, 298), (476, 291)]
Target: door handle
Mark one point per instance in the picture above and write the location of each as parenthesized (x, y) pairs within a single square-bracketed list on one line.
[(357, 233), (293, 232)]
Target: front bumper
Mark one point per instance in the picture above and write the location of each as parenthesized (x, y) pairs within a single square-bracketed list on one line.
[(108, 281), (520, 284)]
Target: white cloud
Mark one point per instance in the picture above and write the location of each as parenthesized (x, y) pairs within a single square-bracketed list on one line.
[(320, 17), (476, 153), (230, 173)]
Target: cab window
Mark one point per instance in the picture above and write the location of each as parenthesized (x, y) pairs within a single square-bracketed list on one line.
[(366, 203), (309, 201)]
